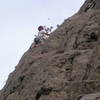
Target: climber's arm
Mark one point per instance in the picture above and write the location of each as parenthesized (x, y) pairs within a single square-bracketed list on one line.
[(47, 34)]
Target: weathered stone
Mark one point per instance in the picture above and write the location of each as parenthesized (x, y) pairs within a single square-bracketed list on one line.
[(66, 66)]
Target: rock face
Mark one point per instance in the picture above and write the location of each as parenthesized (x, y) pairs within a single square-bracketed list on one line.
[(66, 67), (90, 4)]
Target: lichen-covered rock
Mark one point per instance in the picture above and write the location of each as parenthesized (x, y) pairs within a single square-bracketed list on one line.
[(65, 67)]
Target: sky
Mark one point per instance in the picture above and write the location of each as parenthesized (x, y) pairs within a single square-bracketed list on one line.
[(19, 20)]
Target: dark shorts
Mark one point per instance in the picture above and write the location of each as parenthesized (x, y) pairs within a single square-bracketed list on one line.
[(37, 40)]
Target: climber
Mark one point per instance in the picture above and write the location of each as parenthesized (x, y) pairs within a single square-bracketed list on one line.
[(41, 37), (43, 33)]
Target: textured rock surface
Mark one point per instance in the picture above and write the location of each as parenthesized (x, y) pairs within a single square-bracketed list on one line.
[(95, 96), (66, 67), (90, 4)]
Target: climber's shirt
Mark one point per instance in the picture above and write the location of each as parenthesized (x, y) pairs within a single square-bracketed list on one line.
[(42, 35)]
